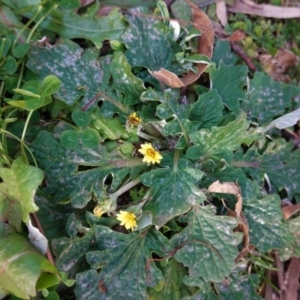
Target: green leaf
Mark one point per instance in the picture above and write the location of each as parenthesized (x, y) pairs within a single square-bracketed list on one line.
[(239, 287), (5, 44), (267, 229), (90, 138), (51, 85), (149, 41), (172, 287), (207, 246), (81, 118), (207, 111), (124, 80), (22, 266), (34, 103), (218, 139), (70, 25), (111, 129), (69, 139), (27, 93), (222, 52), (19, 185), (69, 4), (267, 98), (128, 272), (65, 182), (229, 81), (10, 65), (285, 121), (174, 191), (293, 250), (21, 50), (78, 70), (70, 252), (279, 163), (53, 217)]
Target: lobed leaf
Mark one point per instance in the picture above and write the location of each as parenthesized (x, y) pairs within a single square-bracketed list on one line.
[(174, 191), (128, 272), (267, 229), (207, 246), (18, 186), (267, 98)]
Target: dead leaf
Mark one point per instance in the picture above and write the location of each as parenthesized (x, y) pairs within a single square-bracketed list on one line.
[(290, 210), (221, 12), (228, 188), (264, 10), (167, 77), (238, 35), (284, 60), (233, 188), (205, 44), (278, 65)]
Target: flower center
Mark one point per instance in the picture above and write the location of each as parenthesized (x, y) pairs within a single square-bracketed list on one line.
[(151, 152)]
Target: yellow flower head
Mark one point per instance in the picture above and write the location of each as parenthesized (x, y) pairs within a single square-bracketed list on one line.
[(127, 219), (150, 154), (98, 211), (134, 120)]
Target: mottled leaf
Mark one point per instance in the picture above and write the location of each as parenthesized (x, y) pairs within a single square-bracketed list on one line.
[(279, 162), (218, 139), (267, 98), (239, 287), (174, 191), (79, 70), (207, 246), (267, 229), (128, 272), (70, 252), (293, 250), (172, 286), (149, 42), (124, 80), (64, 180), (68, 24)]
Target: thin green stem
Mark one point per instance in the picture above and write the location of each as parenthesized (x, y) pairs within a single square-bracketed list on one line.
[(27, 148), (21, 74), (26, 26), (39, 22), (176, 159), (125, 188), (24, 132)]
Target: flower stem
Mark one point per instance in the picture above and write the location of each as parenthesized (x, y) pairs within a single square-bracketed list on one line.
[(125, 188)]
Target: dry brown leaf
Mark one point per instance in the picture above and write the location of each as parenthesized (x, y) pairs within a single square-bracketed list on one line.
[(289, 210), (291, 285), (264, 10), (221, 12), (228, 188), (233, 188), (167, 77), (279, 64), (205, 44)]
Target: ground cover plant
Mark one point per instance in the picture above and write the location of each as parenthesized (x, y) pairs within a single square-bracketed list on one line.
[(140, 158)]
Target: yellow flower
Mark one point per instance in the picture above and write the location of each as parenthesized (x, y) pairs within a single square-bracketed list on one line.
[(127, 219), (98, 211), (150, 154), (134, 120)]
